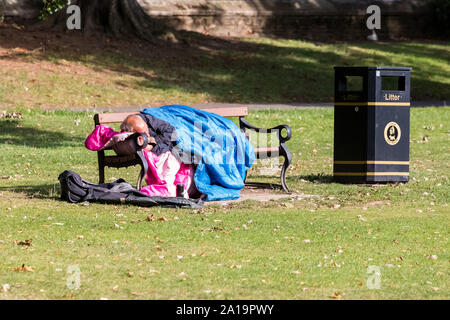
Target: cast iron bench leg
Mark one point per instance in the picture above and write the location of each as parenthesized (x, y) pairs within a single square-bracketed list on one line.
[(287, 161), (101, 167)]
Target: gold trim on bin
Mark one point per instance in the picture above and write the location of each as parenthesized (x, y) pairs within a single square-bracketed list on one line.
[(393, 104), (371, 173), (403, 163)]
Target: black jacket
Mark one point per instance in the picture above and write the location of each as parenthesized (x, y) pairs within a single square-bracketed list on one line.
[(162, 131)]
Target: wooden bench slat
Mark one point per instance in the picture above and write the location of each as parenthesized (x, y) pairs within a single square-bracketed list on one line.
[(266, 149), (224, 112), (229, 112), (113, 117)]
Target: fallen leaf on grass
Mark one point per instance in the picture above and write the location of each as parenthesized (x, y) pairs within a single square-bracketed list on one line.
[(24, 268), (153, 218), (23, 243), (182, 275), (336, 295), (12, 115)]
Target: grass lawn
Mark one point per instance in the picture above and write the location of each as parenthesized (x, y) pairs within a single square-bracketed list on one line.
[(47, 70), (322, 245)]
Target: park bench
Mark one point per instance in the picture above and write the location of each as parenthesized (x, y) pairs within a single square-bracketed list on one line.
[(265, 152)]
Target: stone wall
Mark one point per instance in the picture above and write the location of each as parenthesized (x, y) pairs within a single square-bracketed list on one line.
[(304, 19), (321, 20)]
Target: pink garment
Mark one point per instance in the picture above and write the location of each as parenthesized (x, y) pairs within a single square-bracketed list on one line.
[(164, 171), (99, 137)]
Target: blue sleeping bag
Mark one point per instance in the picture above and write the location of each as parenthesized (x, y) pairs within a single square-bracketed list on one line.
[(222, 153)]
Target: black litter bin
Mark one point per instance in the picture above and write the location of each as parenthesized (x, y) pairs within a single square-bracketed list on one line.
[(371, 124)]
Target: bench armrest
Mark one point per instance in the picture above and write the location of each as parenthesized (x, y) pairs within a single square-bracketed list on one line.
[(278, 129)]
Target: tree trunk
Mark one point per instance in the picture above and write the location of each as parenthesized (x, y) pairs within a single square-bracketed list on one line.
[(118, 17)]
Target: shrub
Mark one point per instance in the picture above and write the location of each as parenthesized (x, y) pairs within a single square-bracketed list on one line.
[(51, 6)]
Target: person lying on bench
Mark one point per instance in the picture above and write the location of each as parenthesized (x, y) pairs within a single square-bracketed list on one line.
[(205, 152), (165, 171)]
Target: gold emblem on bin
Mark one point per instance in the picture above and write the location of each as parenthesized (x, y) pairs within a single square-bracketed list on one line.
[(392, 133)]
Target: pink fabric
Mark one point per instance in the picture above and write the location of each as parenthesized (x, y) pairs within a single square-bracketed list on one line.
[(99, 137), (164, 171)]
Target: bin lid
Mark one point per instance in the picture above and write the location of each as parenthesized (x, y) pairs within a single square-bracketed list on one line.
[(375, 68)]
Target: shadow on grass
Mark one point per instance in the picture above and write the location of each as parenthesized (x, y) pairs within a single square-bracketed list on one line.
[(226, 70), (43, 191), (315, 178), (14, 132)]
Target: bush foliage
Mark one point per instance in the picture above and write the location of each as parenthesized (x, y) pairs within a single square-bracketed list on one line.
[(51, 6)]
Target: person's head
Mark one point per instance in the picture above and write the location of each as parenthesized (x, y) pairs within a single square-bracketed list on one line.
[(134, 123)]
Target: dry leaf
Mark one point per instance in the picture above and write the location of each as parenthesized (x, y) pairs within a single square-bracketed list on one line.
[(23, 243), (336, 295), (24, 268)]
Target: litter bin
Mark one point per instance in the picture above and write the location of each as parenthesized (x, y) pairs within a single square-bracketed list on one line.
[(371, 124)]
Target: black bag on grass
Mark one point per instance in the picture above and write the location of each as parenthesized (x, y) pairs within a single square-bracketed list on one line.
[(76, 190)]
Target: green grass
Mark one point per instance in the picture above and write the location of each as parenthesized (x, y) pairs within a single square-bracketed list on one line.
[(248, 250), (208, 70)]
